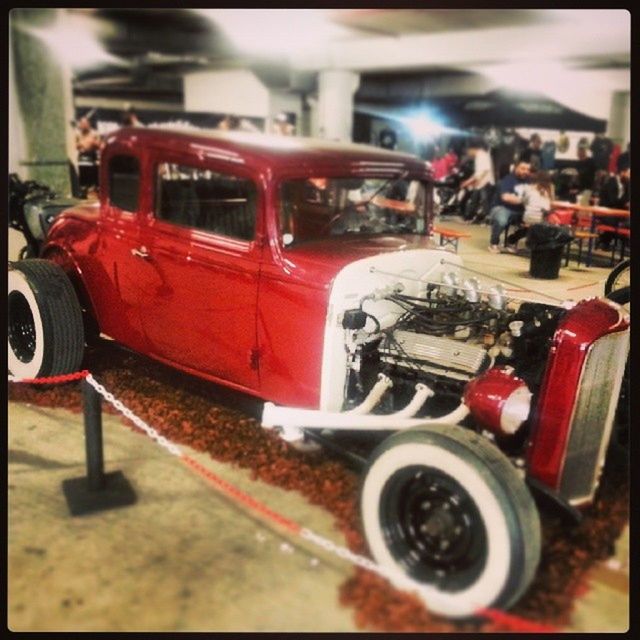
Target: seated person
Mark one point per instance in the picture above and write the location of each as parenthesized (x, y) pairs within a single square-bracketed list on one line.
[(508, 207), (537, 198)]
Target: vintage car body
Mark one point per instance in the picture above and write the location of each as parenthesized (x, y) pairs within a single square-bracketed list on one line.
[(149, 304), (354, 331)]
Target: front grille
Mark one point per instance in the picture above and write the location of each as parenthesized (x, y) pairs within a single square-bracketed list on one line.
[(593, 416)]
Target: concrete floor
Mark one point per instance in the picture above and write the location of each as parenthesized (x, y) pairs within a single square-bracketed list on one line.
[(183, 558), (186, 559)]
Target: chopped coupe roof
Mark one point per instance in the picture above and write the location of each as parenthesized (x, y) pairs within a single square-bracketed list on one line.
[(284, 151)]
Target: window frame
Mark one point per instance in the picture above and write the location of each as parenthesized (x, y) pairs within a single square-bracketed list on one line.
[(124, 153), (202, 164)]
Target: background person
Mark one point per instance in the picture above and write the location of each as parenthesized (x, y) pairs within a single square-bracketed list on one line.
[(481, 182), (444, 163), (616, 194), (282, 126), (586, 175), (624, 159), (88, 144), (533, 153), (601, 148), (130, 118), (229, 123), (508, 206)]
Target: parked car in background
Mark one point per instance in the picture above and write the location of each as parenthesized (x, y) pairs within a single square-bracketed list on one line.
[(33, 206)]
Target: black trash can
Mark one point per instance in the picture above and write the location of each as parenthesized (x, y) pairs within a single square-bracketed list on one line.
[(547, 243)]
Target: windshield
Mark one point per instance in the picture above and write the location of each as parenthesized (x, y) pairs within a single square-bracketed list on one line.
[(316, 208)]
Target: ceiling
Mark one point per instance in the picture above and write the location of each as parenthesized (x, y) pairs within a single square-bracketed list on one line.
[(153, 48), (398, 22)]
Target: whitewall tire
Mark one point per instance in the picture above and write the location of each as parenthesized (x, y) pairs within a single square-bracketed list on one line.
[(446, 513), (45, 327)]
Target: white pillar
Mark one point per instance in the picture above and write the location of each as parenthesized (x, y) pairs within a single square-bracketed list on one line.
[(69, 112), (335, 103), (618, 128), (17, 142)]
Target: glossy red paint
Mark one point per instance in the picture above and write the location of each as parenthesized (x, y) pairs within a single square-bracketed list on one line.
[(487, 394), (249, 314), (578, 330)]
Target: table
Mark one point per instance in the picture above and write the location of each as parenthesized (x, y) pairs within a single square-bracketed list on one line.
[(600, 212)]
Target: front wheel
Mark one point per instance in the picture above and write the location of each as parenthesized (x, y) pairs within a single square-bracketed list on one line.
[(446, 509), (45, 336), (622, 296)]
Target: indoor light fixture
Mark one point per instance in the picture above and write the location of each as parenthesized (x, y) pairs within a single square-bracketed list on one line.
[(72, 40), (423, 127), (273, 32)]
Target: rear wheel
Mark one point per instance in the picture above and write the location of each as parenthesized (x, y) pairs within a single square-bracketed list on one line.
[(622, 296), (45, 332), (620, 277), (444, 508)]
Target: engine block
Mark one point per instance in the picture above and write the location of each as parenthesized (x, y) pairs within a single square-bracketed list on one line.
[(435, 354)]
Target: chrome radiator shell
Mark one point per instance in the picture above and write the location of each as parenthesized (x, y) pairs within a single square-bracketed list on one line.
[(593, 415), (572, 419)]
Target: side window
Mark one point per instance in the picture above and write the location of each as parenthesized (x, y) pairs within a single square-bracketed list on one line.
[(203, 199), (124, 182)]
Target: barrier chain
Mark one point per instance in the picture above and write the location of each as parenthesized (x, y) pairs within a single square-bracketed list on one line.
[(508, 621), (127, 413)]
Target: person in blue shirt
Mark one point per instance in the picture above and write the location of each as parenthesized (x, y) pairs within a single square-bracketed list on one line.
[(508, 206)]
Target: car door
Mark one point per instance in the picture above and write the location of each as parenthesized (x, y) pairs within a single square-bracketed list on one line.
[(200, 311), (118, 276)]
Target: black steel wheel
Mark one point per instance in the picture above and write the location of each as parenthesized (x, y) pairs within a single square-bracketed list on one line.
[(433, 527), (447, 515)]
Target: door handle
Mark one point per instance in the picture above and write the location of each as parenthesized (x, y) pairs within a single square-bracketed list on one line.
[(141, 252)]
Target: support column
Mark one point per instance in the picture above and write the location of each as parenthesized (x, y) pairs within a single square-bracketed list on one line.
[(618, 128), (17, 143), (42, 95), (335, 103)]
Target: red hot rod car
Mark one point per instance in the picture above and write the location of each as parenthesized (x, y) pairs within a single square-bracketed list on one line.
[(303, 272)]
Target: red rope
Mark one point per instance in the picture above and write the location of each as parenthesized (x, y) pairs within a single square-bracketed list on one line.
[(510, 622), (67, 377), (582, 286), (240, 496)]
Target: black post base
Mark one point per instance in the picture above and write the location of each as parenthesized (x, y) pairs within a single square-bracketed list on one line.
[(116, 492)]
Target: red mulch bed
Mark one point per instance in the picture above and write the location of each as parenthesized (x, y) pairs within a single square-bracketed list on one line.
[(224, 424)]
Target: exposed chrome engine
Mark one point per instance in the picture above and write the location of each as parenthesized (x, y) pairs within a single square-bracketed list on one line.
[(433, 354), (445, 339)]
